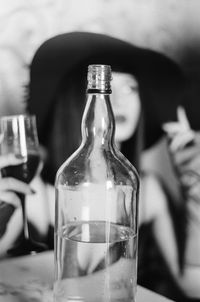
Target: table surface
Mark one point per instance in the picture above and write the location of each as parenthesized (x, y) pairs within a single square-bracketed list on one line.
[(30, 278)]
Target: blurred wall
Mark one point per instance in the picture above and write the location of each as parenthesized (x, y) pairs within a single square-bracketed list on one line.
[(170, 26)]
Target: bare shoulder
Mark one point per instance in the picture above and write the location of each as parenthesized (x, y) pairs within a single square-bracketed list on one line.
[(153, 200)]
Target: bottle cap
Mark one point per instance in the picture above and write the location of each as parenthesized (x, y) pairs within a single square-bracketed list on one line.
[(99, 78)]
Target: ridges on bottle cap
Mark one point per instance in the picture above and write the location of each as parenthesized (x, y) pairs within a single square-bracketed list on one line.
[(99, 77)]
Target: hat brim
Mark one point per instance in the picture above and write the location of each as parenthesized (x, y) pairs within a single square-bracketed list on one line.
[(160, 79)]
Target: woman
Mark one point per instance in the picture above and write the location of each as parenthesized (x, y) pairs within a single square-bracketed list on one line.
[(147, 87)]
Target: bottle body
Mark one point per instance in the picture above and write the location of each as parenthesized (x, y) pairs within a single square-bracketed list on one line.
[(97, 259), (96, 226)]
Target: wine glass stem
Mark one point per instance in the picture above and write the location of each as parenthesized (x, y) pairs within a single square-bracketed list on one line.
[(25, 222)]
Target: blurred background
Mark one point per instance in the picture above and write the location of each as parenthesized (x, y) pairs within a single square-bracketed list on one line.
[(169, 26)]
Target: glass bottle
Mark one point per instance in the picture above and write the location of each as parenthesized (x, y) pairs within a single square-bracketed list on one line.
[(96, 222)]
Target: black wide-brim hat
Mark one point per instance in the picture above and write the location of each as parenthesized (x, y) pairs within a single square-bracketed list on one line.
[(192, 107), (161, 82)]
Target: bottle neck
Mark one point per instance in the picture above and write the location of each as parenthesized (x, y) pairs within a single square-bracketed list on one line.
[(98, 120)]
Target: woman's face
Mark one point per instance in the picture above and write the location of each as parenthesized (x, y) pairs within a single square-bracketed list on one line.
[(126, 105)]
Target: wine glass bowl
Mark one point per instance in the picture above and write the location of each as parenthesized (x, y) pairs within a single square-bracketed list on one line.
[(19, 137)]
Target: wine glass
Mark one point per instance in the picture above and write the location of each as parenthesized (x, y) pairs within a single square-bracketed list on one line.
[(19, 137)]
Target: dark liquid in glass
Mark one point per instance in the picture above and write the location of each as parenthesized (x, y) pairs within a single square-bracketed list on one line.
[(25, 171)]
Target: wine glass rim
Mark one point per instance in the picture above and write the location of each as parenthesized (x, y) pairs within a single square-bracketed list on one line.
[(12, 116)]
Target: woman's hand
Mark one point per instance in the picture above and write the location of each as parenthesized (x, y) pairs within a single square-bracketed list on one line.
[(184, 147), (9, 187)]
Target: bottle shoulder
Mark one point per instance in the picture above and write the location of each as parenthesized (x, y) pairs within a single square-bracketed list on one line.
[(107, 165)]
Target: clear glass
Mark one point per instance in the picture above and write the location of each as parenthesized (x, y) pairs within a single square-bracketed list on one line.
[(96, 221), (19, 137)]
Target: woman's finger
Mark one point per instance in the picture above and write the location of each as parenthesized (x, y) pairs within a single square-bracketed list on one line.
[(13, 184), (11, 198), (182, 117), (181, 140), (181, 126), (172, 128), (10, 160), (193, 165), (185, 155)]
